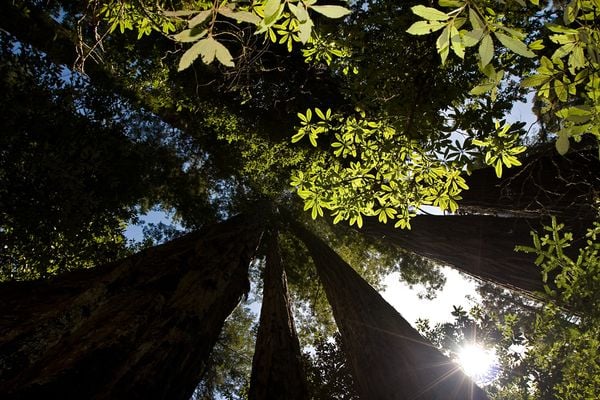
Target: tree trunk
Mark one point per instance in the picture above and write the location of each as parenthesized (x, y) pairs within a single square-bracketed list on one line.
[(142, 327), (276, 368), (481, 246), (547, 184), (389, 358)]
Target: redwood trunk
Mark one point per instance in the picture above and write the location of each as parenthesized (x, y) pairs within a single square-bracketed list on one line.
[(389, 358), (277, 365), (547, 184), (481, 246), (139, 328)]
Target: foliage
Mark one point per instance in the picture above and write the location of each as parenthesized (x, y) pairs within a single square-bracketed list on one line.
[(546, 350), (568, 89), (228, 371), (327, 371), (286, 23), (502, 148), (374, 171)]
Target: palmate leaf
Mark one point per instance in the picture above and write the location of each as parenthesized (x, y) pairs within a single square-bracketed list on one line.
[(207, 49)]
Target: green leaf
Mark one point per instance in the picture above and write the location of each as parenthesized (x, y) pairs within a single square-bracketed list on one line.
[(498, 168), (486, 50), (537, 45), (204, 47), (561, 29), (430, 13), (200, 18), (332, 11), (473, 37), (223, 55), (299, 11), (443, 44), (577, 114), (482, 89), (304, 30), (240, 16), (271, 8), (189, 35), (450, 3), (457, 44), (179, 13), (563, 51), (514, 45), (298, 136), (561, 90), (562, 144), (425, 27), (535, 80), (476, 22)]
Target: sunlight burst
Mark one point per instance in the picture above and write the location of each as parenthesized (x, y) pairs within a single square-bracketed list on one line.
[(477, 362)]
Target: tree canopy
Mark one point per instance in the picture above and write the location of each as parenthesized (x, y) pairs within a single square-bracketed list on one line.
[(357, 119)]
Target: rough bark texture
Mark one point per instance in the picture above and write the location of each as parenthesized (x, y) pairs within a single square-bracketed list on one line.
[(389, 358), (139, 328), (547, 184), (481, 246), (277, 365)]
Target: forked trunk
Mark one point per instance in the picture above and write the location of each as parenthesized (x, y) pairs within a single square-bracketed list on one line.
[(142, 327), (277, 366), (389, 358)]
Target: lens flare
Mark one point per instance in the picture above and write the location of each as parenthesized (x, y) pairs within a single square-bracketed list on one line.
[(477, 362)]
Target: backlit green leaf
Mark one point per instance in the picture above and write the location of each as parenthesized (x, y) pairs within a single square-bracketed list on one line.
[(190, 35), (200, 18), (271, 8), (473, 37), (240, 16), (562, 144), (486, 50), (202, 47), (430, 13), (514, 45), (223, 55), (425, 27), (332, 11)]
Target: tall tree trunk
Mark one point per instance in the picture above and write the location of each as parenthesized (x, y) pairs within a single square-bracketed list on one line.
[(142, 327), (547, 184), (481, 246), (389, 358), (276, 368)]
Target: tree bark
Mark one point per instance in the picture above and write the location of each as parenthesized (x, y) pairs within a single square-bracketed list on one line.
[(389, 358), (142, 327), (481, 246), (277, 364), (546, 184)]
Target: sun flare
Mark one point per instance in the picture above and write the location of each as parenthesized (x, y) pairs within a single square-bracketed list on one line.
[(477, 361)]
